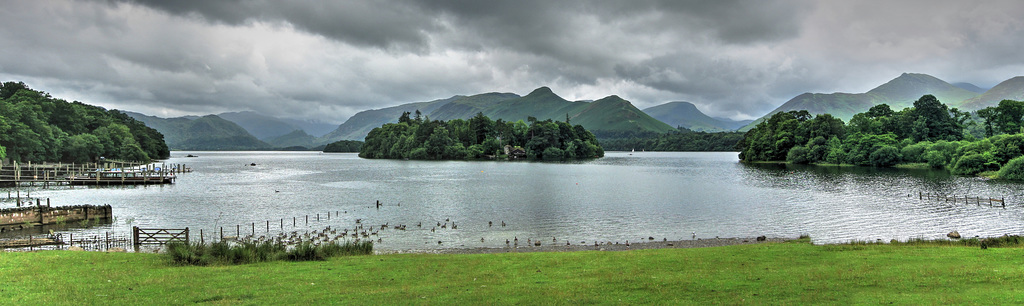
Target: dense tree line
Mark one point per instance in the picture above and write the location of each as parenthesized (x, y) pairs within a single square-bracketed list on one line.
[(37, 127), (422, 138), (929, 132), (683, 140), (344, 146)]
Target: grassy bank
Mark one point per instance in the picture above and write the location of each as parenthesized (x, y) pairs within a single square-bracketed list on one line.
[(792, 273)]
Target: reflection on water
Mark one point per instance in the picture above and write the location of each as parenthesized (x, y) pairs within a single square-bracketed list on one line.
[(617, 198)]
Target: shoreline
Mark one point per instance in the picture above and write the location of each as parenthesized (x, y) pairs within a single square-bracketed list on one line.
[(548, 247)]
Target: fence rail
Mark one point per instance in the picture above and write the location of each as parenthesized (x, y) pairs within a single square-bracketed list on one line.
[(962, 199)]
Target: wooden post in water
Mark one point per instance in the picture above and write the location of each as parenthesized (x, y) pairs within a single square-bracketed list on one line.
[(268, 226), (221, 234), (201, 241)]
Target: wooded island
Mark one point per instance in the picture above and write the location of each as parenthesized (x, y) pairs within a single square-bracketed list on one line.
[(479, 138)]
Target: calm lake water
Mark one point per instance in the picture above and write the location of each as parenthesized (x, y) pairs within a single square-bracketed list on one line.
[(617, 198)]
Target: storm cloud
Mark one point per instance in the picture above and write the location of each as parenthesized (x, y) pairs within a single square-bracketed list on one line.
[(327, 60)]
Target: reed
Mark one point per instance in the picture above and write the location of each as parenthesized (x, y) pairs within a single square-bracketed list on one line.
[(224, 253)]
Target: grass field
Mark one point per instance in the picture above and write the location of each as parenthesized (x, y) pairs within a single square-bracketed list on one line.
[(787, 273)]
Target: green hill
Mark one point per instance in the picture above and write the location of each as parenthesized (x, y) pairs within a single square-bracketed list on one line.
[(970, 87), (898, 93), (267, 127), (609, 114), (614, 114), (685, 114), (297, 138), (204, 133), (902, 91), (356, 127), (1012, 89)]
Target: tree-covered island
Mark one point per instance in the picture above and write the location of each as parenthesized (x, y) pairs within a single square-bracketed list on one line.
[(989, 142), (479, 138)]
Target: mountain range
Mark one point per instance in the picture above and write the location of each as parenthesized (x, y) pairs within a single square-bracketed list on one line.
[(612, 114), (900, 93), (609, 114), (686, 115)]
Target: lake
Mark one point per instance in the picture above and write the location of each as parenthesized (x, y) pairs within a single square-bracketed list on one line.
[(623, 196)]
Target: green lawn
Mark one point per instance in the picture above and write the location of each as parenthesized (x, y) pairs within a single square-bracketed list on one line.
[(787, 273)]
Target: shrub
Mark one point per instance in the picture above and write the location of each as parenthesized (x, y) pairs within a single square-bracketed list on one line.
[(935, 159), (252, 252), (970, 164), (798, 155), (188, 254), (884, 156), (914, 153), (553, 153), (1013, 170)]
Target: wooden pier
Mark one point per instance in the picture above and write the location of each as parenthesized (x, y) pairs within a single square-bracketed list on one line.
[(105, 173), (962, 199)]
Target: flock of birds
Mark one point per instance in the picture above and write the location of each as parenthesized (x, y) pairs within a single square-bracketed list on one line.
[(362, 231)]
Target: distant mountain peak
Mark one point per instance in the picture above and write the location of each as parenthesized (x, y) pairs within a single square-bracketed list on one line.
[(541, 91)]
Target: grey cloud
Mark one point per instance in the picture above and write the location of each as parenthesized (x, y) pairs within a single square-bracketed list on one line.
[(383, 24), (329, 59)]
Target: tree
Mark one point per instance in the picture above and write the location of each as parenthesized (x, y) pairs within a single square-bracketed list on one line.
[(940, 125), (1005, 118)]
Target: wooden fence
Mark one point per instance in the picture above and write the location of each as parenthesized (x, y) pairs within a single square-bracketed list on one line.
[(964, 199), (158, 235)]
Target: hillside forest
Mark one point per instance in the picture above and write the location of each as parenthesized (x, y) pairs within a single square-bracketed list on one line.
[(424, 139), (35, 127), (989, 142)]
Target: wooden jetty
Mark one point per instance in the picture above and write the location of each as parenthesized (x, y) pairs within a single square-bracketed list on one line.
[(962, 199), (105, 173), (30, 242), (31, 216)]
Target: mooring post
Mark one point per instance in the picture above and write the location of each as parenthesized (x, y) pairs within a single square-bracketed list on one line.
[(307, 220), (268, 226), (238, 231), (317, 217), (293, 221), (328, 216), (282, 223), (135, 237), (254, 228), (221, 234)]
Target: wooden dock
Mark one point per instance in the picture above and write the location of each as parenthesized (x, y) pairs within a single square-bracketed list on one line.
[(962, 199), (105, 173)]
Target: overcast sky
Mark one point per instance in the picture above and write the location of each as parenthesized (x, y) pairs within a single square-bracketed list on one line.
[(328, 60)]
